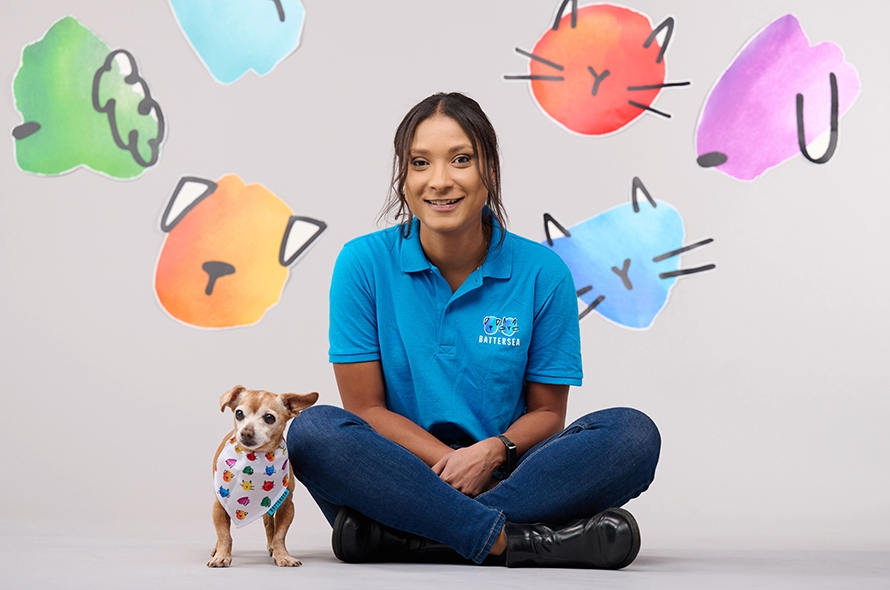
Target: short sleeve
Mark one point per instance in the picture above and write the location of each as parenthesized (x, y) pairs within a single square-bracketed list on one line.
[(352, 332), (555, 351)]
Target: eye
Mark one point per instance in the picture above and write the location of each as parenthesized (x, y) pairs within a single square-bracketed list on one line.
[(239, 415), (269, 419), (463, 159), (418, 163)]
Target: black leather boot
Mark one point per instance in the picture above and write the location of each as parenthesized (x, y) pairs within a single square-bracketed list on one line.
[(609, 540), (359, 539)]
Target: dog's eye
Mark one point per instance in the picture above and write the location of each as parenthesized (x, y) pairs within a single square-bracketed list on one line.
[(239, 415), (269, 419)]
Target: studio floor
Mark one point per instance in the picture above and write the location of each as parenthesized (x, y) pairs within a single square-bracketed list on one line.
[(30, 560)]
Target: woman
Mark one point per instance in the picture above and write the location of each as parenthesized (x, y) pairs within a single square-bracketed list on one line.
[(454, 344)]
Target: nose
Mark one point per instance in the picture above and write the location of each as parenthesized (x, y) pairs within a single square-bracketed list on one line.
[(440, 177), (711, 159), (215, 270), (597, 78)]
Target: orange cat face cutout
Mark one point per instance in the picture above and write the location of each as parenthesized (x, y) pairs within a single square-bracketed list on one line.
[(225, 258)]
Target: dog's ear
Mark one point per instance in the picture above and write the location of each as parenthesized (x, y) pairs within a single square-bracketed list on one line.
[(188, 193), (294, 402), (230, 398)]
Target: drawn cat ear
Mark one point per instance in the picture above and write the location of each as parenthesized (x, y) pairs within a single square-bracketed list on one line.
[(188, 193), (562, 8), (638, 185), (668, 24), (548, 219), (300, 233), (832, 141)]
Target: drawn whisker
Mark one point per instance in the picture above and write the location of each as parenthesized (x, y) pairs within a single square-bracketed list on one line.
[(540, 59), (533, 77), (667, 255), (591, 307), (654, 86), (583, 290), (648, 108), (686, 271)]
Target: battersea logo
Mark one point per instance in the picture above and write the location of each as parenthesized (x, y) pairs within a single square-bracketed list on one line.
[(499, 331)]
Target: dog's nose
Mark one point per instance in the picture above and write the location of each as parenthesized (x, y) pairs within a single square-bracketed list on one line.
[(215, 270)]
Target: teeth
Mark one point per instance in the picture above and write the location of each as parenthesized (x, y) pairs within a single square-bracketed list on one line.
[(446, 202)]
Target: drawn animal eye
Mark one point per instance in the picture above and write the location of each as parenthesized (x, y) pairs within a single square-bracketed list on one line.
[(239, 415), (269, 419)]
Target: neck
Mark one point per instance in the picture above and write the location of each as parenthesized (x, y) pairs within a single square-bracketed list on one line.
[(456, 256)]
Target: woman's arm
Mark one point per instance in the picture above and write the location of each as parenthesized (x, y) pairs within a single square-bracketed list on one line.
[(469, 470), (545, 416), (362, 392)]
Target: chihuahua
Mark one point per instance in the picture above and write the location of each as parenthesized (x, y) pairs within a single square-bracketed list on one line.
[(251, 471)]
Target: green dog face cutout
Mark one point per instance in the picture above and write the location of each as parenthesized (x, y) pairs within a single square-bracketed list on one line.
[(84, 105)]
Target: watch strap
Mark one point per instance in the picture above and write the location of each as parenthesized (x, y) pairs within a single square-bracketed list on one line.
[(510, 463)]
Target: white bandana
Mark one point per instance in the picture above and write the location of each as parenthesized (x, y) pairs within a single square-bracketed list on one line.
[(250, 484)]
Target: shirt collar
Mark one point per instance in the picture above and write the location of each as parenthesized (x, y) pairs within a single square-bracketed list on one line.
[(498, 262)]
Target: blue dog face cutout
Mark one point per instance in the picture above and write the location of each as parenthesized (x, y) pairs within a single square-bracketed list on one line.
[(490, 325), (625, 261)]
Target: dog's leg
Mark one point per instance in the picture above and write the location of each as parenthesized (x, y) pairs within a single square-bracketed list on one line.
[(276, 530), (222, 553), (269, 524)]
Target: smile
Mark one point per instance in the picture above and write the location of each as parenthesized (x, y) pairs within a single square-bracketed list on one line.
[(443, 202)]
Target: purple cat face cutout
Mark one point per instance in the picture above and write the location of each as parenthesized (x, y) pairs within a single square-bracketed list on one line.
[(777, 94)]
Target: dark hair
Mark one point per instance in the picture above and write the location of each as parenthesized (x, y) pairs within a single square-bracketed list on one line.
[(469, 115)]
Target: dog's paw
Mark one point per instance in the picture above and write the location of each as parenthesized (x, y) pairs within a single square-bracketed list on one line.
[(287, 561), (220, 561)]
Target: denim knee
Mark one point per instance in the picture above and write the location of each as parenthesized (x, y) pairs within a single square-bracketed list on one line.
[(635, 430), (641, 434), (316, 431)]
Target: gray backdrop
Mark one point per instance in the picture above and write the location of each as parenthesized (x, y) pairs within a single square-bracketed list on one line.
[(767, 377)]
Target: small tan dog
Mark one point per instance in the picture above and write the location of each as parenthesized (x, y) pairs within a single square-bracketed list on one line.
[(252, 473)]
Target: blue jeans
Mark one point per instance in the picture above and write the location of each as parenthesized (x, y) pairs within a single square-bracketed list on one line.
[(600, 461)]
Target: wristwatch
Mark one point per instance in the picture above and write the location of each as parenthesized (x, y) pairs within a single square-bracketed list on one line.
[(510, 464)]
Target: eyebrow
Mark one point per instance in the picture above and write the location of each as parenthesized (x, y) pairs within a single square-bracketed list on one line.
[(464, 147)]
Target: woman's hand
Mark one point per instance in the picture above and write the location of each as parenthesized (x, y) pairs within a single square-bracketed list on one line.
[(468, 470)]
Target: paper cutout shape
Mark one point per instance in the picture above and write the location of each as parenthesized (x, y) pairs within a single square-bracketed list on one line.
[(776, 98), (84, 105), (225, 259), (232, 37), (599, 68), (626, 260)]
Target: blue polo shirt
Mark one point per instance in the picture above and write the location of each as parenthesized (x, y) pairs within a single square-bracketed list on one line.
[(456, 363)]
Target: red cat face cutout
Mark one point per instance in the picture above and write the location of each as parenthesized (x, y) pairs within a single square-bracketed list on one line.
[(598, 68)]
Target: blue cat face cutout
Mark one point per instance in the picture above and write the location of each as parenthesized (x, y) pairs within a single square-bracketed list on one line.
[(490, 325), (626, 260)]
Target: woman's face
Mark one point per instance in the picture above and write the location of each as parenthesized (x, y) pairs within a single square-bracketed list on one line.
[(443, 187)]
